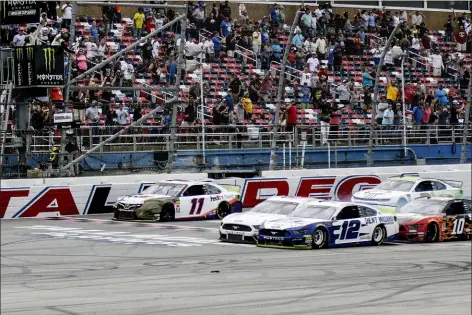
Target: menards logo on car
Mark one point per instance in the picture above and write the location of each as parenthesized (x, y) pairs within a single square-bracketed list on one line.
[(93, 199)]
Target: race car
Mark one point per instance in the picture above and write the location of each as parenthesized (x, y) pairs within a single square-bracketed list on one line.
[(435, 219), (397, 191), (179, 199), (315, 225), (243, 227)]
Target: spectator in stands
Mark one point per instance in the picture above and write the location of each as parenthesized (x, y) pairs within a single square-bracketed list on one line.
[(460, 36), (19, 39), (226, 27), (441, 96), (217, 46), (381, 108), (343, 93), (122, 115), (138, 21), (387, 118), (418, 113), (417, 18), (437, 61), (392, 93)]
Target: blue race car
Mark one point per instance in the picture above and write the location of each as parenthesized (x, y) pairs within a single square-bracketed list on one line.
[(328, 224)]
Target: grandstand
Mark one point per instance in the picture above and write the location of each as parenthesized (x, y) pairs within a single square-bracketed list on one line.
[(327, 91)]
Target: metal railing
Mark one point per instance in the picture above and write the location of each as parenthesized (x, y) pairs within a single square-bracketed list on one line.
[(244, 51), (145, 138), (274, 70)]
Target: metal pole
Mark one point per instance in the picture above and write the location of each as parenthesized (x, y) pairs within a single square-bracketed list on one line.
[(7, 114), (124, 51), (466, 123), (122, 88), (130, 4), (202, 101), (66, 91), (116, 135), (403, 103), (370, 152), (173, 127), (279, 92)]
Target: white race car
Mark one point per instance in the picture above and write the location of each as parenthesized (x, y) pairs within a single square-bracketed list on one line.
[(179, 199), (397, 191), (243, 227)]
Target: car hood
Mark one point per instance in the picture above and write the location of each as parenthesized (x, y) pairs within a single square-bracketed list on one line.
[(412, 217), (377, 194), (290, 222), (139, 199), (251, 218)]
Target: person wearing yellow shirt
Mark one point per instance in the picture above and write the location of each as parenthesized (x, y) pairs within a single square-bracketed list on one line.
[(247, 105), (392, 93), (138, 23)]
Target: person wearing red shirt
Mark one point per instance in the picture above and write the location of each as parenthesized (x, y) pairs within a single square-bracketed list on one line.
[(150, 24), (461, 38), (291, 117)]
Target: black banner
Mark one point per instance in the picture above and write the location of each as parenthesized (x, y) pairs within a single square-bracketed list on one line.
[(25, 65), (19, 12), (49, 65)]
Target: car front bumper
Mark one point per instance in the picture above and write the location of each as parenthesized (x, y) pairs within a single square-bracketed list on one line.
[(302, 242)]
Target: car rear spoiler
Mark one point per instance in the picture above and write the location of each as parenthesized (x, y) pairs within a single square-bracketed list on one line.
[(454, 183), (233, 188)]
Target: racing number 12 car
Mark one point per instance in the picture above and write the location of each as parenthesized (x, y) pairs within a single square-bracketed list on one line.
[(328, 224), (178, 199)]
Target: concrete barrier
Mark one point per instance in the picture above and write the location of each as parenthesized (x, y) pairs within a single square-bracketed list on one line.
[(21, 198)]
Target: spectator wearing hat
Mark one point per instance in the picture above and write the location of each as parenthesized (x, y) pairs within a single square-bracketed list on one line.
[(19, 39), (387, 118)]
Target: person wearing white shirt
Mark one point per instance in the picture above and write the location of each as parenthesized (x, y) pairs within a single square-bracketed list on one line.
[(256, 42), (306, 78), (318, 13), (155, 48), (313, 63), (403, 16), (92, 50), (321, 47), (416, 18), (209, 50), (343, 92), (66, 14), (437, 61), (128, 73), (396, 19), (19, 39)]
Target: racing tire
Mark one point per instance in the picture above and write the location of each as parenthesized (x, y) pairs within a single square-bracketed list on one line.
[(319, 239), (379, 235), (223, 210), (167, 213), (401, 203), (432, 233)]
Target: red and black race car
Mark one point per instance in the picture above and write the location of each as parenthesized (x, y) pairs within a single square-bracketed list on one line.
[(435, 219)]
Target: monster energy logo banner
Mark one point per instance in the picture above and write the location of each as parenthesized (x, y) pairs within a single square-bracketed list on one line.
[(49, 65), (19, 12), (24, 65)]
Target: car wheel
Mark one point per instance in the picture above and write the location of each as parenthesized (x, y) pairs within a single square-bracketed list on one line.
[(319, 239), (401, 203), (223, 210), (378, 235), (167, 213), (432, 233)]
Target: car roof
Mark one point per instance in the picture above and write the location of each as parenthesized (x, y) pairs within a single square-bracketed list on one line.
[(291, 199), (184, 182), (337, 204), (406, 178)]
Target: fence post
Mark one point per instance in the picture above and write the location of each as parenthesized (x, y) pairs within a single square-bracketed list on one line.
[(466, 123)]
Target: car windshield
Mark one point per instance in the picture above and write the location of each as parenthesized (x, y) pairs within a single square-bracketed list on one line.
[(314, 212), (423, 207), (395, 185), (275, 207), (163, 189)]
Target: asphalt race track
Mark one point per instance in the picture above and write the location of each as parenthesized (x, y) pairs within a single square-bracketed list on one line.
[(96, 266)]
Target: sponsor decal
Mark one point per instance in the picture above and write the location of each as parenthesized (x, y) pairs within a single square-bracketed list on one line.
[(49, 65), (63, 118), (274, 238), (216, 198), (386, 220), (18, 12)]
